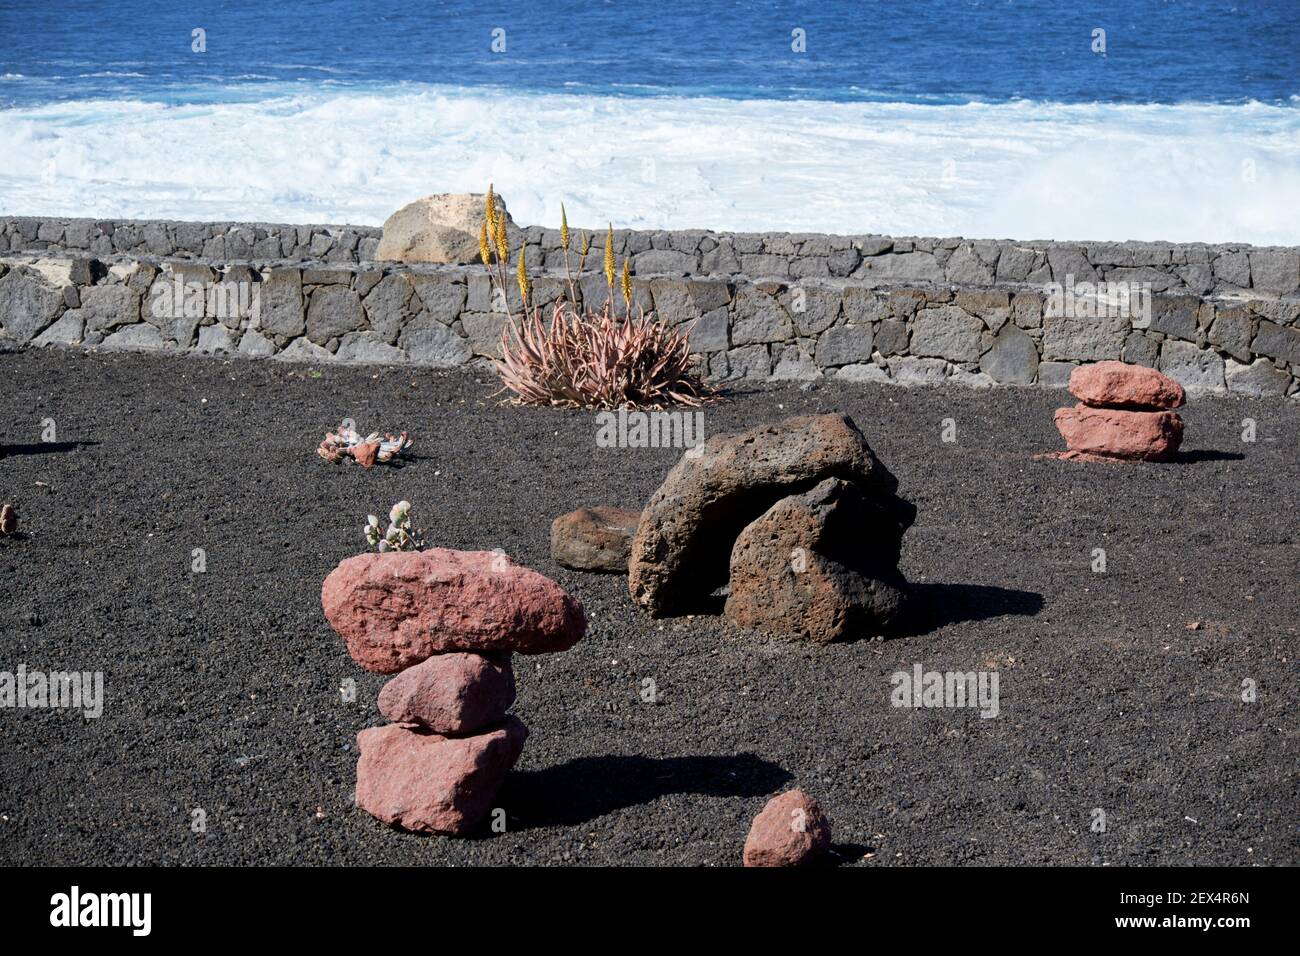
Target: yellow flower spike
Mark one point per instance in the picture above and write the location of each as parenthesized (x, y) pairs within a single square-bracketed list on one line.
[(609, 256), (627, 285), (586, 244), (484, 250), (523, 279), (503, 247), (564, 229), (490, 210)]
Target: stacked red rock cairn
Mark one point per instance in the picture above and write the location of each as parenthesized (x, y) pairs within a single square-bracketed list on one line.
[(1124, 413), (446, 622)]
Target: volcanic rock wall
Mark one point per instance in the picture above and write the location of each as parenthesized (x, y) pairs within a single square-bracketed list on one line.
[(761, 306)]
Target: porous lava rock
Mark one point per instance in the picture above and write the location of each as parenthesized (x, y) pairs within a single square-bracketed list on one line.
[(681, 553)]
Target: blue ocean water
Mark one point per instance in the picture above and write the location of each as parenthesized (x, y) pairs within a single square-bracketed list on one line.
[(921, 51), (1110, 119)]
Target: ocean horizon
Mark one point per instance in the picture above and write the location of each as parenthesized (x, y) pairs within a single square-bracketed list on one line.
[(1179, 122)]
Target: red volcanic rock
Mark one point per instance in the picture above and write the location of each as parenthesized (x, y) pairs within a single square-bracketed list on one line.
[(428, 783), (399, 608), (1114, 433), (451, 693), (365, 454), (1117, 385), (790, 831), (594, 539)]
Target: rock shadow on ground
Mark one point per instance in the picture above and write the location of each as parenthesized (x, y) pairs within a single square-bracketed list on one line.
[(586, 788)]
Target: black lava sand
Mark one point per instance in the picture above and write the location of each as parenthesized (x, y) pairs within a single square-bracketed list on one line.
[(1120, 691)]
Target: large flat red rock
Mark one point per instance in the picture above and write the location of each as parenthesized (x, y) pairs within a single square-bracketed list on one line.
[(1115, 433), (399, 608), (1120, 385)]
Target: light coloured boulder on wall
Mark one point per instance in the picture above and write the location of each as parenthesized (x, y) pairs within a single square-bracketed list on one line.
[(28, 304), (440, 228)]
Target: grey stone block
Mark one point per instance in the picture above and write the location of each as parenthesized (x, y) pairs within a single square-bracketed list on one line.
[(436, 345), (663, 261), (759, 318), (707, 295), (1275, 270), (1141, 349), (749, 362), (281, 306), (842, 262), (947, 332), (1069, 263), (892, 337), (1083, 339), (965, 267), (370, 348), (28, 305), (1175, 315), (671, 300), (255, 345), (134, 338), (1015, 263), (387, 306), (1278, 342), (910, 370), (1055, 374), (758, 266), (792, 363), (1232, 330), (863, 306), (484, 331), (1197, 370), (1259, 379), (864, 372), (813, 308), (333, 311), (214, 339), (304, 350), (1233, 268), (66, 331), (917, 266), (709, 333), (844, 345), (109, 306), (1012, 359)]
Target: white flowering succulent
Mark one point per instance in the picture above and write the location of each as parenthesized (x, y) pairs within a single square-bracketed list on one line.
[(400, 536)]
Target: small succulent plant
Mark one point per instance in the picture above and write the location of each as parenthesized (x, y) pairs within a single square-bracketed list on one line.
[(346, 442), (400, 536), (8, 520)]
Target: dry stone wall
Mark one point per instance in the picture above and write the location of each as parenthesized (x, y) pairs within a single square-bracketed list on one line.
[(760, 306)]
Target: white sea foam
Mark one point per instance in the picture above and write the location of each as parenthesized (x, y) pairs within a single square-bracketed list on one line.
[(1024, 170)]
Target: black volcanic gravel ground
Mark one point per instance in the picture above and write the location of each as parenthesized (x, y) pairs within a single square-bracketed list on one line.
[(1119, 691)]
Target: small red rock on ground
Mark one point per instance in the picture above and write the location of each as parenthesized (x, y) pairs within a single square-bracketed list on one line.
[(594, 539), (790, 830), (428, 783), (399, 608), (1119, 385), (456, 693)]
